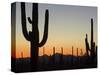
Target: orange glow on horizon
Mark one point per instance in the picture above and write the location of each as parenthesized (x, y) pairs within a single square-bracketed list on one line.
[(48, 51)]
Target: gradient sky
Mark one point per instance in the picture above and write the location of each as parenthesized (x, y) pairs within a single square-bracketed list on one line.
[(68, 26)]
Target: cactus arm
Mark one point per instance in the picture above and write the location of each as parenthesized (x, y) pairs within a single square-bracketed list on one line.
[(23, 18), (45, 36), (29, 20)]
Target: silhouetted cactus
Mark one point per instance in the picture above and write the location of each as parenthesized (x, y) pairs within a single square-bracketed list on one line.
[(62, 50), (77, 56), (53, 55), (21, 54), (72, 50), (92, 43), (77, 52), (87, 45), (92, 46), (72, 55), (33, 36), (81, 53), (53, 50), (61, 56)]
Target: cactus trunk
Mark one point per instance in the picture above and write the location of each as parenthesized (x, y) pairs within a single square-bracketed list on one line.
[(34, 56)]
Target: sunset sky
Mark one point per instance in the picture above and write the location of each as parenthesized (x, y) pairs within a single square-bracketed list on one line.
[(68, 26)]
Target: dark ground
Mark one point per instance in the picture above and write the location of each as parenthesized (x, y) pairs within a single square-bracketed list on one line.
[(45, 64)]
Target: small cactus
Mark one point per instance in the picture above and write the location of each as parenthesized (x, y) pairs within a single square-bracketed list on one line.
[(21, 54), (77, 57), (72, 55), (77, 52), (61, 56), (81, 53), (54, 55), (87, 45)]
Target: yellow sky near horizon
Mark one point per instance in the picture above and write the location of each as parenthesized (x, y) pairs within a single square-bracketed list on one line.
[(67, 50)]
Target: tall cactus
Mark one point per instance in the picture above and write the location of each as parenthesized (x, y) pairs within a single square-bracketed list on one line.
[(33, 36), (93, 47), (92, 43)]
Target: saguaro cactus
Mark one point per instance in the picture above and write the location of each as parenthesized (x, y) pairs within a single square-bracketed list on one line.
[(92, 52), (92, 46), (33, 36)]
